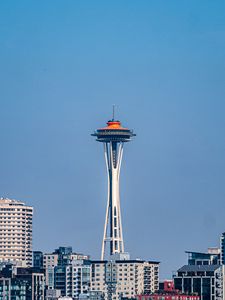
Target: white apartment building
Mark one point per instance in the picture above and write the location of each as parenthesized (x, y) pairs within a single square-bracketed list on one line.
[(124, 278), (16, 232)]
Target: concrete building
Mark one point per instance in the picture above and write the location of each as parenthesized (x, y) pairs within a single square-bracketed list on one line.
[(168, 292), (124, 278), (203, 275), (62, 256), (16, 231), (21, 283), (205, 280), (73, 279), (50, 261)]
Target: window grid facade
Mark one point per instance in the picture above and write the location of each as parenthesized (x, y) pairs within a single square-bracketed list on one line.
[(16, 220), (124, 278)]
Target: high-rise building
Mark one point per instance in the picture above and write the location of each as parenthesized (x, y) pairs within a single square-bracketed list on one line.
[(16, 231), (50, 261), (63, 256), (21, 283), (204, 280), (202, 276), (113, 136), (57, 264), (73, 279), (124, 278)]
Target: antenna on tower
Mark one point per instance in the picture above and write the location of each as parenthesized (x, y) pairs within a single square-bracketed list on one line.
[(113, 112)]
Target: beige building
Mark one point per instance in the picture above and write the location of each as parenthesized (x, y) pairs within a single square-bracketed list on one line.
[(50, 260), (125, 278), (16, 232)]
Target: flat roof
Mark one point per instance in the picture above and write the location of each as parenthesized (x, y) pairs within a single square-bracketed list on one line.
[(202, 253), (125, 261), (199, 268)]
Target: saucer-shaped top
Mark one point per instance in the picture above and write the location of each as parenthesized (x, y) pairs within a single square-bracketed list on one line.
[(113, 132)]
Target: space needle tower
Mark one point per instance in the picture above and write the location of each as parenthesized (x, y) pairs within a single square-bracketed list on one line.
[(113, 136)]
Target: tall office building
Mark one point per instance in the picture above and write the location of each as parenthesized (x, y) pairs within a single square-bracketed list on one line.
[(113, 136), (16, 231)]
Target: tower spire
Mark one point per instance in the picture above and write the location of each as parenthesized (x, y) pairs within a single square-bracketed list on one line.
[(113, 118), (113, 136)]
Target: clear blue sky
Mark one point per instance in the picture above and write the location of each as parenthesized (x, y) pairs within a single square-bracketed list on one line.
[(62, 66)]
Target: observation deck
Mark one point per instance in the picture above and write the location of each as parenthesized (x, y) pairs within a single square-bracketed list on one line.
[(113, 132)]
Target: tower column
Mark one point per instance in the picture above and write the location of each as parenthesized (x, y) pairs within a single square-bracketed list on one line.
[(113, 156)]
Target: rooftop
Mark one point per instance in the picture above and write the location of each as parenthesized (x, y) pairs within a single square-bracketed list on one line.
[(10, 201), (199, 268), (130, 261)]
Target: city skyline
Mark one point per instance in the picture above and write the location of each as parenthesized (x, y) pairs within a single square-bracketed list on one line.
[(62, 68)]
